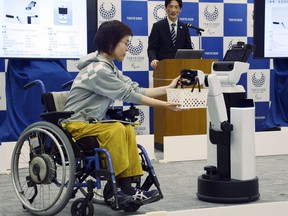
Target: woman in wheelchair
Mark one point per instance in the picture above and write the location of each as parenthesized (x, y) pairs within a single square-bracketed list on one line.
[(94, 90)]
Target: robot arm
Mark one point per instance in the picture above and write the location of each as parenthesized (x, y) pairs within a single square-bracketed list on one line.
[(216, 105), (224, 74)]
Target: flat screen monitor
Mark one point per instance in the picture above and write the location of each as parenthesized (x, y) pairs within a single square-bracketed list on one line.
[(270, 28), (189, 54), (237, 55), (49, 29)]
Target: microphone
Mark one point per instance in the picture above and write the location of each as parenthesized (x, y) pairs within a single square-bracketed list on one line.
[(194, 27)]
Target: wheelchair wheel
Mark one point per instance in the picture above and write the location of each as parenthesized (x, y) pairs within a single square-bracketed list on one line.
[(76, 208), (43, 169)]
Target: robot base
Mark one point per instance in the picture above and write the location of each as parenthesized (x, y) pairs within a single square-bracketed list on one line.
[(228, 191)]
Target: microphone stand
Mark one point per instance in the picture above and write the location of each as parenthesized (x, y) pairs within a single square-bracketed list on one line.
[(198, 30), (200, 38)]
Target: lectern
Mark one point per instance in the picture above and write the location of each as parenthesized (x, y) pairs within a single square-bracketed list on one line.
[(186, 122)]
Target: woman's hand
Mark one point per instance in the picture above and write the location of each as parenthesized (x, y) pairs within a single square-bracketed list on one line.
[(173, 106), (175, 82)]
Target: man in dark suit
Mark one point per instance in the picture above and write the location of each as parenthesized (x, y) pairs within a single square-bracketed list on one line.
[(160, 43)]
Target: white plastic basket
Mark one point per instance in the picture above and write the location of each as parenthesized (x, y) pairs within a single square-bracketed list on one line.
[(188, 99)]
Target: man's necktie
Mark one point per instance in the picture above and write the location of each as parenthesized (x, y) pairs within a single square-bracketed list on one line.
[(173, 33)]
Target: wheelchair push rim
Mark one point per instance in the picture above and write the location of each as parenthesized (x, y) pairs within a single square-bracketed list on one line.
[(43, 169)]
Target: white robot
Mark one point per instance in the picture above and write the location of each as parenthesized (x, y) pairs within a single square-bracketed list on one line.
[(230, 176)]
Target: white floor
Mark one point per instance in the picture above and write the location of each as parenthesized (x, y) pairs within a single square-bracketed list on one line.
[(264, 209)]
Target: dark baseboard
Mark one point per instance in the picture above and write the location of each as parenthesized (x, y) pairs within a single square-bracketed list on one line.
[(159, 146)]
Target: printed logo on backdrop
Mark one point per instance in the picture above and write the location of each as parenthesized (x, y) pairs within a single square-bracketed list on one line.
[(156, 12), (143, 122), (211, 18), (135, 50), (108, 13), (143, 119), (142, 128), (258, 82), (159, 12), (108, 10), (258, 85), (136, 57)]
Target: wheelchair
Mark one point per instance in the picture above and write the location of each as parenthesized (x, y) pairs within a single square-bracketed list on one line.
[(49, 167)]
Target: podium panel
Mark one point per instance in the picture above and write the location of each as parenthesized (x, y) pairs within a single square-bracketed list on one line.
[(186, 122)]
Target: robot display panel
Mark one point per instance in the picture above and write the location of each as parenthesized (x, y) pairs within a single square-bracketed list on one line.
[(235, 55)]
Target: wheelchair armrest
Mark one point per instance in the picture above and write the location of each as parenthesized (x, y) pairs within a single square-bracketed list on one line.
[(54, 117)]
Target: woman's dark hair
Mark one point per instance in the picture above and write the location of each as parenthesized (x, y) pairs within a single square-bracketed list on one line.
[(167, 2), (109, 34)]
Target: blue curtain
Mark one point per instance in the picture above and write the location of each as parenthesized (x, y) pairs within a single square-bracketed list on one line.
[(278, 113), (24, 106)]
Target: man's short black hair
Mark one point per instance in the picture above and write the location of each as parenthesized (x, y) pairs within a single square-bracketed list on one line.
[(167, 2), (109, 34)]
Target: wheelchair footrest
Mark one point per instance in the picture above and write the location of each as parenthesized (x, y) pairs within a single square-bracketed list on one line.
[(153, 199), (134, 205), (126, 204)]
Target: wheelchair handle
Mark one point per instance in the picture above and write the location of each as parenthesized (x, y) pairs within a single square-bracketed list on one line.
[(35, 82)]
